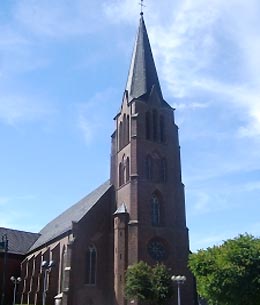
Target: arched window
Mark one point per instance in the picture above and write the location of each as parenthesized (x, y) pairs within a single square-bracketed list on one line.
[(128, 129), (155, 125), (156, 167), (121, 174), (156, 213), (127, 169), (148, 126), (91, 264), (124, 170), (120, 135), (124, 131), (163, 170), (62, 266), (149, 168), (162, 131)]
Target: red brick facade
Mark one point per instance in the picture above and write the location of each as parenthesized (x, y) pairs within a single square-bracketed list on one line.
[(163, 181)]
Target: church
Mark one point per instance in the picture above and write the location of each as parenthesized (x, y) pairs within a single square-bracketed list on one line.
[(81, 256)]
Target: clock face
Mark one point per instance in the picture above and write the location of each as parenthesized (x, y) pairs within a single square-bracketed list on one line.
[(157, 250)]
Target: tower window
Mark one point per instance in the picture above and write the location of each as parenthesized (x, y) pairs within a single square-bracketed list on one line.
[(124, 130), (149, 168), (162, 129), (128, 129), (163, 170), (127, 169), (124, 170), (121, 174), (155, 125), (120, 135), (155, 211), (91, 264), (148, 126)]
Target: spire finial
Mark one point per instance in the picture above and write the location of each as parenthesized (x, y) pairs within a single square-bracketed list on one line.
[(142, 6)]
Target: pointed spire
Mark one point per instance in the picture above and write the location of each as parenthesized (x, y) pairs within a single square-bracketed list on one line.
[(142, 75)]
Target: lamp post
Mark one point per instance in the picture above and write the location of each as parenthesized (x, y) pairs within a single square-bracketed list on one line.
[(4, 248), (46, 268), (16, 281), (179, 279)]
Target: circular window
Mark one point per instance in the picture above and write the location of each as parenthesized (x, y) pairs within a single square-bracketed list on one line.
[(157, 250)]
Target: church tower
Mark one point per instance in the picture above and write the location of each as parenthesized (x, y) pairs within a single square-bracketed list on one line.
[(149, 221)]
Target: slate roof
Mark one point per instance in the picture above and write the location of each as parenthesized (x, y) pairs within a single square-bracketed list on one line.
[(63, 223), (142, 73), (19, 242)]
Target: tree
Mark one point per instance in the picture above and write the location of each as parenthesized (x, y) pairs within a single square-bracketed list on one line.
[(161, 284), (229, 274), (138, 282), (146, 283)]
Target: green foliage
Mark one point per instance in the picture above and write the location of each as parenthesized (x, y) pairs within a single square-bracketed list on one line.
[(148, 283), (162, 284), (138, 281), (229, 274)]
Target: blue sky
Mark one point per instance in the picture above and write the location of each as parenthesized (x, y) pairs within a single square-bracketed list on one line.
[(63, 69)]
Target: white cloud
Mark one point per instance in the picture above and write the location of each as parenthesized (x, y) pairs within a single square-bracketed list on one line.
[(208, 201), (15, 109), (58, 18), (191, 105), (252, 186), (93, 116), (243, 96), (199, 241), (10, 38), (254, 229), (120, 11), (206, 48), (4, 200)]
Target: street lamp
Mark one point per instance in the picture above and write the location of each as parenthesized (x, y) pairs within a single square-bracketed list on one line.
[(16, 281), (179, 279), (4, 248), (46, 267)]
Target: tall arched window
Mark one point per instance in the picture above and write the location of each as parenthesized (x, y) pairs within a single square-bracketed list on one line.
[(121, 174), (127, 169), (124, 170), (62, 266), (148, 125), (155, 125), (91, 265), (120, 135), (162, 129), (124, 130), (128, 129), (163, 170), (149, 168), (156, 213)]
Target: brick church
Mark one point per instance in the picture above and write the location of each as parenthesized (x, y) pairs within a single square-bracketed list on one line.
[(138, 214)]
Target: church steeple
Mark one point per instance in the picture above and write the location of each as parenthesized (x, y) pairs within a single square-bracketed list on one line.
[(142, 75), (149, 218)]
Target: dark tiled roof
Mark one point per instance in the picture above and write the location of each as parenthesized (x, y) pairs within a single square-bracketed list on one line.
[(142, 73), (19, 242), (63, 223)]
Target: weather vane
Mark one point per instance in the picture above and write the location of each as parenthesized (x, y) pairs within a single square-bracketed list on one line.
[(142, 6)]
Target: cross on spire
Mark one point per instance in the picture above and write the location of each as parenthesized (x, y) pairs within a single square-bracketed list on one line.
[(142, 6)]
